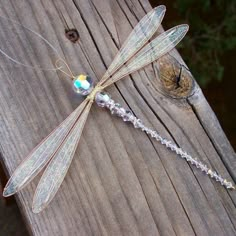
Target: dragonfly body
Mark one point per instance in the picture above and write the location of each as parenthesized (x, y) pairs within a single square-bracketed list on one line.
[(56, 151)]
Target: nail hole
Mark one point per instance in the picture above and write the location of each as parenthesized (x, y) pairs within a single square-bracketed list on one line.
[(72, 35)]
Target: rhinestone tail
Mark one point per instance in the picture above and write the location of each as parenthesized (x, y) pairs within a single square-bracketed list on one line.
[(104, 100)]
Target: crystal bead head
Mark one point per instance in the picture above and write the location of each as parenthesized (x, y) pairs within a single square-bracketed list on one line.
[(83, 84), (102, 99)]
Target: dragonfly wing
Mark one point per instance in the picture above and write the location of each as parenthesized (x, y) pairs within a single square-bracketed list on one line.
[(151, 52), (139, 36), (59, 164), (41, 154)]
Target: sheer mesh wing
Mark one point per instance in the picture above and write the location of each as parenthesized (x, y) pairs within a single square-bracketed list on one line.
[(58, 166), (42, 154), (139, 36), (151, 52), (22, 46)]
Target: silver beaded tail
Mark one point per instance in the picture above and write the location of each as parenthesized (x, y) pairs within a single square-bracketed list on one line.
[(104, 100)]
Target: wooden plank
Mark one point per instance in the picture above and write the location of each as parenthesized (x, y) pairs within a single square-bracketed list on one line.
[(120, 182)]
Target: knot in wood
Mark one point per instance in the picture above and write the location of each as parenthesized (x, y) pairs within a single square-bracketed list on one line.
[(176, 80)]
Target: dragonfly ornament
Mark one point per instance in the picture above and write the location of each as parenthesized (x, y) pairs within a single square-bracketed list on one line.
[(56, 151)]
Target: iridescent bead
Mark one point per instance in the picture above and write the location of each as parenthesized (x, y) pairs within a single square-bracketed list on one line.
[(138, 124), (153, 134), (102, 99), (121, 112), (83, 84), (110, 104), (128, 115), (115, 109)]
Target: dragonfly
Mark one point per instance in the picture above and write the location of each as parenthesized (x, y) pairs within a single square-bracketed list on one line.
[(56, 151)]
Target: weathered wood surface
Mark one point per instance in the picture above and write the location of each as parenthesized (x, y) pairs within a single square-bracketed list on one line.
[(120, 182)]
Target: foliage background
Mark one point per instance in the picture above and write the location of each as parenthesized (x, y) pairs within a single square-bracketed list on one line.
[(213, 33), (209, 50)]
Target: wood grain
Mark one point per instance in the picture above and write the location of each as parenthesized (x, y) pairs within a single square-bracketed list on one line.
[(120, 181)]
